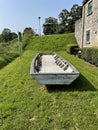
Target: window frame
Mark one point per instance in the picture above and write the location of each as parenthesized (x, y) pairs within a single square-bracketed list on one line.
[(90, 5), (88, 37)]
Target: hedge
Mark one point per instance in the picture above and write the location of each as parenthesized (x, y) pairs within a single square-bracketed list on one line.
[(90, 54)]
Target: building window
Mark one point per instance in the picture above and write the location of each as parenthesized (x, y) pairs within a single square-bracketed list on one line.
[(90, 7), (88, 37)]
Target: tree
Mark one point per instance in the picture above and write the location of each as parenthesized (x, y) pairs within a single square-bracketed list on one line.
[(67, 19), (13, 35), (6, 34), (50, 26), (1, 38), (28, 31), (63, 18), (75, 14)]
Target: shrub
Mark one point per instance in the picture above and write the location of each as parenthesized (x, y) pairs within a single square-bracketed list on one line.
[(90, 54), (74, 49)]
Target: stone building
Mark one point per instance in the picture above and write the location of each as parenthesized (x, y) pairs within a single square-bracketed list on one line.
[(86, 28)]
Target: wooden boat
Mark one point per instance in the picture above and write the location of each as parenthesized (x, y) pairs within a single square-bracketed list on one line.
[(51, 69)]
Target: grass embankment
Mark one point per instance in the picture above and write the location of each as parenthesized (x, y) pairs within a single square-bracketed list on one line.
[(27, 105), (51, 43), (8, 52)]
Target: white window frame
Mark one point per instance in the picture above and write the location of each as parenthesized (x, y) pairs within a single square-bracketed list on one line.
[(90, 5)]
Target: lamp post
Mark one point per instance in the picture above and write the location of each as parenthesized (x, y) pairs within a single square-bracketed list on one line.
[(39, 26)]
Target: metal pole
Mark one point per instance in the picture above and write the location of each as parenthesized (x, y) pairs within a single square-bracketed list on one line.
[(83, 26), (20, 43), (39, 26)]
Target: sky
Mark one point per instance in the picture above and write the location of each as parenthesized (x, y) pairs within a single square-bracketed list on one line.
[(19, 14)]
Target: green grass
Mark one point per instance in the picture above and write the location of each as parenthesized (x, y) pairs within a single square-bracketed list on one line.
[(27, 105), (8, 52), (51, 42)]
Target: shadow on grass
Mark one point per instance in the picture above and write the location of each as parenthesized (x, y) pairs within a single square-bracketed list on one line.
[(80, 84)]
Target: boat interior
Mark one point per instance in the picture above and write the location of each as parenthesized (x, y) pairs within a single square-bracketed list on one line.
[(51, 63)]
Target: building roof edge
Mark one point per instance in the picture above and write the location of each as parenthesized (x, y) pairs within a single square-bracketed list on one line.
[(85, 1)]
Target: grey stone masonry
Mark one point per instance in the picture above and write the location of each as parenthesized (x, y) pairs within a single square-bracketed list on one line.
[(87, 27), (78, 31)]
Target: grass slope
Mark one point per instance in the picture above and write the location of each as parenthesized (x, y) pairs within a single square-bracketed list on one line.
[(51, 42), (8, 52), (27, 105)]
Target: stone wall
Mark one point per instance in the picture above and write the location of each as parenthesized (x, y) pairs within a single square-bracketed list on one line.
[(78, 31), (95, 23), (88, 22)]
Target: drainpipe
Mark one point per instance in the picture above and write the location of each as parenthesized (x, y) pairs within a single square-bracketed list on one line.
[(83, 24)]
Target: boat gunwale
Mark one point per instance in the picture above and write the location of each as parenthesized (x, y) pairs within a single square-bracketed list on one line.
[(32, 69)]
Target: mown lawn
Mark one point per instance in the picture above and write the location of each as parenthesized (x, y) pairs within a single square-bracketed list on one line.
[(27, 105)]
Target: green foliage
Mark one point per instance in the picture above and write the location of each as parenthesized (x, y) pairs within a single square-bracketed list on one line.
[(76, 12), (1, 38), (7, 35), (13, 35), (50, 26), (90, 54), (68, 18), (63, 17), (28, 31)]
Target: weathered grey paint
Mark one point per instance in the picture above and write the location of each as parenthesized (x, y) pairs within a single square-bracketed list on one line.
[(53, 77), (87, 22)]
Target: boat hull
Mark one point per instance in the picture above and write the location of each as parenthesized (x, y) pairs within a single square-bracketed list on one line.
[(49, 76), (55, 79)]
